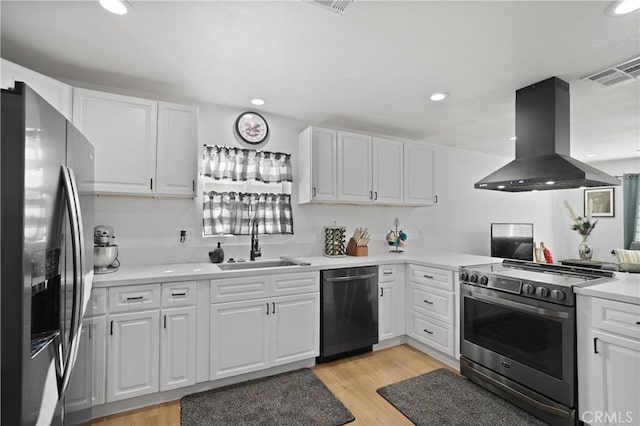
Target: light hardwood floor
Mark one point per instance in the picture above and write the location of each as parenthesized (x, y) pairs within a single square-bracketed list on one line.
[(353, 380)]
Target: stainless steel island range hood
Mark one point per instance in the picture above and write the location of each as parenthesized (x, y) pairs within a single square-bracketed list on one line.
[(542, 145)]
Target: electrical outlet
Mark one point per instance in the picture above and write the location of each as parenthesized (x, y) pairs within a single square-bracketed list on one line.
[(184, 236)]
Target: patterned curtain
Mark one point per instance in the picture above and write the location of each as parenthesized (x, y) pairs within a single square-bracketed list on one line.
[(232, 213), (220, 162)]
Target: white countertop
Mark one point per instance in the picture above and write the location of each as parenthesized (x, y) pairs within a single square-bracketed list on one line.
[(142, 274), (624, 287)]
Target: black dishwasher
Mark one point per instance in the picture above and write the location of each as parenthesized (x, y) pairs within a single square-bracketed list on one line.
[(348, 312)]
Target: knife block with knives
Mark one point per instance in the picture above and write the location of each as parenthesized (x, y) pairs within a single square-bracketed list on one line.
[(358, 243)]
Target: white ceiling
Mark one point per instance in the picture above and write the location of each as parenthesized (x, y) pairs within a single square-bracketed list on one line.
[(372, 69)]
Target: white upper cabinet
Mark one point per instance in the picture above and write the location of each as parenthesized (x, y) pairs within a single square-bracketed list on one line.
[(177, 163), (387, 171), (53, 91), (354, 168), (123, 132), (317, 165), (142, 146), (418, 175)]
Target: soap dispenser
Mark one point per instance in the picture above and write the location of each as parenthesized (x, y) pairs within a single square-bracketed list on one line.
[(217, 255)]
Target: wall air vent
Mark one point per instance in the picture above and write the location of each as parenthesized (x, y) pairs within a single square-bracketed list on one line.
[(336, 6), (626, 72)]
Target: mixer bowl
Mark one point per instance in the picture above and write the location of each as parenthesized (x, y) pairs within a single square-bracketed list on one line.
[(104, 256)]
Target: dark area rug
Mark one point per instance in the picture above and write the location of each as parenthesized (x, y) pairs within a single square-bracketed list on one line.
[(293, 398), (444, 398)]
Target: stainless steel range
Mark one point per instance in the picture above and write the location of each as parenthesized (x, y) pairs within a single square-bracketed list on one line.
[(518, 333)]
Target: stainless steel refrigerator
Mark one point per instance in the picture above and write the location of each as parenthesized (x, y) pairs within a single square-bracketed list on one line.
[(46, 259)]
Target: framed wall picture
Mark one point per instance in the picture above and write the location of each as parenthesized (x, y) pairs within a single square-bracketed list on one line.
[(602, 202)]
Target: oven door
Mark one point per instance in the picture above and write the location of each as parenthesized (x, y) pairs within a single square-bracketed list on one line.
[(528, 341)]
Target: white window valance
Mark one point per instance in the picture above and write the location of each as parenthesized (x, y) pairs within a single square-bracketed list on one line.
[(221, 162)]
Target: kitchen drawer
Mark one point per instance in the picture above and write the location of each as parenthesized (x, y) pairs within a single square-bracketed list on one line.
[(178, 294), (433, 303), (98, 302), (234, 289), (285, 284), (617, 317), (434, 277), (431, 332), (387, 273), (134, 298)]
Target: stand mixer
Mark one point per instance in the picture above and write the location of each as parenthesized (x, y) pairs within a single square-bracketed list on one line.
[(105, 251)]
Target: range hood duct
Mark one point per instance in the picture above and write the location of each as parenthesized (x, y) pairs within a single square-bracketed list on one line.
[(542, 145)]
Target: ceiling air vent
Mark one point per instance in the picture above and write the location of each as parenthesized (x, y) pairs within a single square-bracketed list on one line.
[(626, 72), (336, 6)]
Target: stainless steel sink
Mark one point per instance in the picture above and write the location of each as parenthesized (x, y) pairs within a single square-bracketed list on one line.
[(276, 263)]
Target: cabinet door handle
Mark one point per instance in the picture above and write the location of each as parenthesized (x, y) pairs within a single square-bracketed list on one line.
[(129, 299), (313, 192), (428, 302), (193, 185), (595, 345), (274, 308), (381, 291), (428, 276), (427, 331), (376, 195), (90, 331), (637, 322), (267, 308), (111, 329), (436, 198), (371, 195), (165, 321), (151, 184)]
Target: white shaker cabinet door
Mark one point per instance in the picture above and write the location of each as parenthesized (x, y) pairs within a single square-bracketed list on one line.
[(387, 171), (354, 168), (239, 337), (133, 355), (178, 348), (87, 386), (123, 131), (391, 313), (418, 175), (177, 163), (57, 93), (324, 174), (295, 328)]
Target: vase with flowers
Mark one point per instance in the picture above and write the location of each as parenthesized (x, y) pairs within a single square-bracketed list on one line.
[(584, 226)]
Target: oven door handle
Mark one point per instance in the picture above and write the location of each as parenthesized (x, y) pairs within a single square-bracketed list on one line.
[(521, 306)]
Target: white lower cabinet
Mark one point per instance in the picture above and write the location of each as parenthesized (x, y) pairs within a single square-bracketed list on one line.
[(87, 386), (133, 355), (608, 361), (178, 348), (391, 300), (262, 332)]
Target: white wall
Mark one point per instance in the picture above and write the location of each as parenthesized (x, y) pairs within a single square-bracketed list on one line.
[(607, 235), (146, 229)]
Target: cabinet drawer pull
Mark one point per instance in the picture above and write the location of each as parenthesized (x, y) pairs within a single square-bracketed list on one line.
[(387, 272), (595, 345), (637, 322), (428, 276), (427, 331), (129, 299), (267, 308), (428, 302), (178, 293)]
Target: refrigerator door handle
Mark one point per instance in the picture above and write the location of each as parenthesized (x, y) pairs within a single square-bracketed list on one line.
[(77, 243)]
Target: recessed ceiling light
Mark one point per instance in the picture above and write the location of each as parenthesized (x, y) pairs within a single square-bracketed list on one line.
[(512, 138), (114, 6), (439, 96), (591, 155), (257, 101), (550, 182), (624, 7), (501, 186)]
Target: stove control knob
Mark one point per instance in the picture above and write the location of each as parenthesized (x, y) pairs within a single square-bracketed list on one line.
[(542, 291), (464, 276), (484, 280), (558, 295), (528, 288), (473, 278)]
